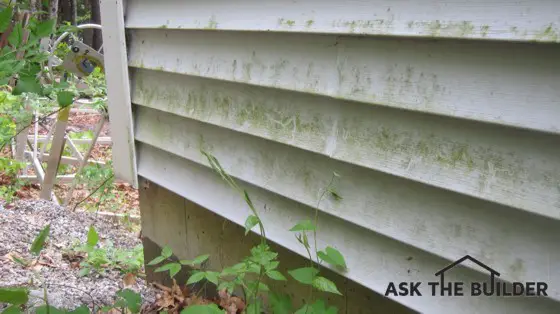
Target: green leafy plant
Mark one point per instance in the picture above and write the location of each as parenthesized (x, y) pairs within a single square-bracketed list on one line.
[(96, 85), (99, 258), (98, 179), (23, 88), (263, 259), (174, 267), (8, 178), (93, 176), (85, 135), (310, 275), (27, 70), (203, 309), (61, 50), (250, 274), (127, 300), (39, 242)]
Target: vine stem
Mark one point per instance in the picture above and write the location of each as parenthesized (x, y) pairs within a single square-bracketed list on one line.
[(316, 218), (315, 223), (214, 163), (257, 287), (90, 194)]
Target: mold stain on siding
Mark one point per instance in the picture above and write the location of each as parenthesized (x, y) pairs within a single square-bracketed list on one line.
[(357, 140)]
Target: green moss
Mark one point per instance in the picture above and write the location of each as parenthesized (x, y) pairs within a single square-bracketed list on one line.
[(466, 28), (212, 23), (361, 139), (273, 118), (308, 23), (389, 145), (352, 26), (548, 34), (455, 29), (484, 30), (284, 22), (381, 26), (434, 28), (458, 154)]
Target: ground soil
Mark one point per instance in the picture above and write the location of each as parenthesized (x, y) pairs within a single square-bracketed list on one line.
[(126, 200)]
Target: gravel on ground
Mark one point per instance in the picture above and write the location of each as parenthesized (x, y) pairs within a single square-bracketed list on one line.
[(21, 222)]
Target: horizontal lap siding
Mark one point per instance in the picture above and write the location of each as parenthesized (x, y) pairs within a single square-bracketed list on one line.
[(491, 82), (509, 166), (444, 147), (373, 260), (372, 200), (526, 20)]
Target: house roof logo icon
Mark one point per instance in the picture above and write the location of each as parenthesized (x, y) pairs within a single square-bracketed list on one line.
[(493, 286), (492, 272)]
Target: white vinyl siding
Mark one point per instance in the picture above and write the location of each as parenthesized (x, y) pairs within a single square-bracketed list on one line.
[(446, 139)]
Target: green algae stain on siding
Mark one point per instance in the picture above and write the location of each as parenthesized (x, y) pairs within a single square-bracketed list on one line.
[(549, 33), (377, 145), (390, 146), (439, 28), (262, 115), (286, 22), (212, 23), (484, 30), (375, 26), (389, 25)]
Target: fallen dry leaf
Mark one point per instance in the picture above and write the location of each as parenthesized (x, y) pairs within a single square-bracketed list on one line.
[(176, 290), (73, 257), (111, 311), (161, 287), (233, 305), (166, 301), (172, 299), (129, 279), (196, 300), (48, 258)]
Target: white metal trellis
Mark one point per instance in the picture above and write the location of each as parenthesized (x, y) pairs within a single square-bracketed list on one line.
[(26, 146)]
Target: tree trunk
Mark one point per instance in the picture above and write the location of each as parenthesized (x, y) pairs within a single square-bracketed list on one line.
[(66, 10), (33, 6), (96, 19), (53, 9), (88, 36), (74, 6)]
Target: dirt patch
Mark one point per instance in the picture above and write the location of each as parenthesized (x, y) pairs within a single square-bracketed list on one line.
[(82, 122), (125, 200)]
